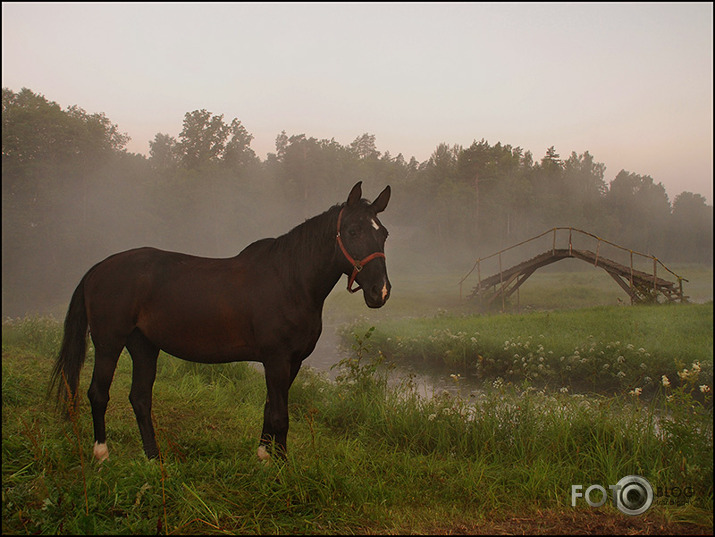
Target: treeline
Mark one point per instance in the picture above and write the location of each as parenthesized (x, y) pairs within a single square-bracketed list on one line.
[(72, 195)]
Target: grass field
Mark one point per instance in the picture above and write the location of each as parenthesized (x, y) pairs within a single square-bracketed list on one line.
[(371, 456)]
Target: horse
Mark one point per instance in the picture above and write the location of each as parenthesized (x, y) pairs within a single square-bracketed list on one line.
[(263, 305)]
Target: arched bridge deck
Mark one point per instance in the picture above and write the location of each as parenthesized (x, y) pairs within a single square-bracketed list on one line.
[(639, 285)]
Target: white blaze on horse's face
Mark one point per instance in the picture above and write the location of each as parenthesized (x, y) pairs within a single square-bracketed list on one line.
[(375, 224)]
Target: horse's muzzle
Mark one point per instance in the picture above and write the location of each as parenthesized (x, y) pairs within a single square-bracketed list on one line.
[(376, 295)]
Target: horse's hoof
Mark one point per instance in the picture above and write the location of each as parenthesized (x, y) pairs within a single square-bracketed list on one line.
[(263, 455), (101, 453)]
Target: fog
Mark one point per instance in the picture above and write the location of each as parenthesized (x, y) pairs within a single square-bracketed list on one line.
[(52, 241), (46, 252), (72, 196)]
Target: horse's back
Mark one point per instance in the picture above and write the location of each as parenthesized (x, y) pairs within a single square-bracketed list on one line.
[(192, 307)]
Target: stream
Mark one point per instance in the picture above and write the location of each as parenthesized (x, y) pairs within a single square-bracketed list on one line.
[(428, 382)]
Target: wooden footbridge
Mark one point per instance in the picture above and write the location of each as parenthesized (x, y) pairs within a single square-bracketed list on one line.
[(640, 286)]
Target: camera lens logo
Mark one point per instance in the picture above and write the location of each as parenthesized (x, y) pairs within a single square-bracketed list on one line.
[(633, 495)]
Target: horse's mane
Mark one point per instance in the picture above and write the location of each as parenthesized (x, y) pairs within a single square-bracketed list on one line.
[(307, 241)]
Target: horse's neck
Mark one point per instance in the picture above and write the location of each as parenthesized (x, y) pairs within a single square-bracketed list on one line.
[(311, 256)]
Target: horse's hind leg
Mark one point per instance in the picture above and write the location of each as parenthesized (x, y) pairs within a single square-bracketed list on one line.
[(144, 355), (105, 362)]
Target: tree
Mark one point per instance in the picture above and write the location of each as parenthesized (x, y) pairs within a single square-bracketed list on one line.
[(238, 153), (552, 158), (640, 212), (203, 139), (163, 153), (583, 187), (281, 145), (61, 191), (37, 132), (691, 232), (364, 147), (585, 176)]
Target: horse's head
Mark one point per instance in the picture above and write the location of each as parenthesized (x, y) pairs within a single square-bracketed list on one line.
[(361, 237)]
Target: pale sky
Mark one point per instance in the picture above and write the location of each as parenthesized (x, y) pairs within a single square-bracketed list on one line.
[(630, 83)]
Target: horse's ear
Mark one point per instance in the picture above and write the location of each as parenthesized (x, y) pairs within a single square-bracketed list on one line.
[(381, 202), (355, 194)]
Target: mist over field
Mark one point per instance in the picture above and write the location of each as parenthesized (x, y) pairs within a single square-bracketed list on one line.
[(72, 195)]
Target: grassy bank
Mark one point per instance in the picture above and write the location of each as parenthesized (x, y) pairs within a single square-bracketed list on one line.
[(364, 457), (603, 349)]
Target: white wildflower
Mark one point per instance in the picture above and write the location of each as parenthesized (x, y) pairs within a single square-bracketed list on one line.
[(665, 381), (636, 392), (705, 388)]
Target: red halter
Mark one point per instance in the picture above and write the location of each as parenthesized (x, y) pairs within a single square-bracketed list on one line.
[(357, 265)]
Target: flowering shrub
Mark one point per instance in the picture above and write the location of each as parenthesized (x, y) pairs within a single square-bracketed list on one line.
[(687, 419)]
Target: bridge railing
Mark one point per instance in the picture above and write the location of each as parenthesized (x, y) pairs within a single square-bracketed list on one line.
[(572, 230)]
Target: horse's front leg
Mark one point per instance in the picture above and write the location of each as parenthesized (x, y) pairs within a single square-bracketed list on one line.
[(279, 377)]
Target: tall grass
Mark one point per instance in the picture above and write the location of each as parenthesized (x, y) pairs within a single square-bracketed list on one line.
[(515, 444), (365, 456)]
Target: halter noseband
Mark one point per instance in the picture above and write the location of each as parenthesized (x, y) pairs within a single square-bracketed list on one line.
[(357, 265)]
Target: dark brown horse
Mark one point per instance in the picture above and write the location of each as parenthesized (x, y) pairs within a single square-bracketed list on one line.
[(263, 305)]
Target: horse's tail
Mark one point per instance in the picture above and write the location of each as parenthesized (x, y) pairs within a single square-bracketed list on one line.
[(69, 362)]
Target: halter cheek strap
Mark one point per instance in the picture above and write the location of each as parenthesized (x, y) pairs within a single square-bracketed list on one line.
[(357, 265)]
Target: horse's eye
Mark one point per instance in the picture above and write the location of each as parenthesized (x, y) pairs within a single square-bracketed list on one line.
[(353, 232)]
